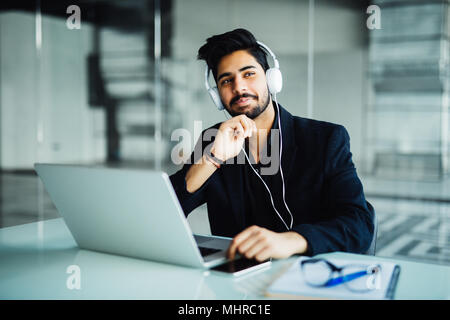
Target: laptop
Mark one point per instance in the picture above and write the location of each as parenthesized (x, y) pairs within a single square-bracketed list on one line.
[(128, 212)]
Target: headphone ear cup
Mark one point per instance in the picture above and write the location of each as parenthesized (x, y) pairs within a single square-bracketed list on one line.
[(214, 94), (274, 80)]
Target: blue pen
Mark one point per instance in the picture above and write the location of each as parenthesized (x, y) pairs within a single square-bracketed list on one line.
[(346, 278)]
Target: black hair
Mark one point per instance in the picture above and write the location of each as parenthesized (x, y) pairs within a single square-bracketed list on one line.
[(218, 46)]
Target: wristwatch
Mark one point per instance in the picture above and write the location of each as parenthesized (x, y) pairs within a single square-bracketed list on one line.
[(213, 159)]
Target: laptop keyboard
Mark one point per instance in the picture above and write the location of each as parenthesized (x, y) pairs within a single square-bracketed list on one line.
[(207, 251)]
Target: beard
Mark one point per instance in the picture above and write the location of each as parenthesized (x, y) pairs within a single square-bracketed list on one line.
[(254, 112)]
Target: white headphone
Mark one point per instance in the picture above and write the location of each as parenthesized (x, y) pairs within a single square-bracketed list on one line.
[(275, 84), (273, 76)]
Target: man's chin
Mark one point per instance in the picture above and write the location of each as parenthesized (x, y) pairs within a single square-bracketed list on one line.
[(253, 112), (249, 110)]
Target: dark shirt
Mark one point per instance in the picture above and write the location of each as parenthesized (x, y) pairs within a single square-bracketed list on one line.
[(258, 206)]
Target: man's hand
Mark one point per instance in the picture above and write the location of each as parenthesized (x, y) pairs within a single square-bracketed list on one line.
[(231, 135), (261, 244)]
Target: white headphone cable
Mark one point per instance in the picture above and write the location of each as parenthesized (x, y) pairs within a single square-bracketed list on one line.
[(281, 167)]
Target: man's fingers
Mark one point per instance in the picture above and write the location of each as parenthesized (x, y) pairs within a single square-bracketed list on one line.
[(264, 254), (242, 124), (249, 243), (231, 253), (253, 251), (233, 248), (239, 239), (248, 124), (261, 244), (237, 130), (240, 130), (245, 124)]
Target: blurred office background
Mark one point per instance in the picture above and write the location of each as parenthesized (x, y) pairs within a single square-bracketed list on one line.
[(112, 93)]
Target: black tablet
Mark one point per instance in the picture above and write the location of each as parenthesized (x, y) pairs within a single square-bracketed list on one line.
[(241, 266)]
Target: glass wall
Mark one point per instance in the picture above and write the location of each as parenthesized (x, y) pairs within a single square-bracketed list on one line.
[(94, 84)]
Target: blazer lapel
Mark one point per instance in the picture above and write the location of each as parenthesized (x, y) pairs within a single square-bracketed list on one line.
[(290, 148)]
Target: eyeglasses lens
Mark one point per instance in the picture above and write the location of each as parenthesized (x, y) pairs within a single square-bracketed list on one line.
[(316, 273)]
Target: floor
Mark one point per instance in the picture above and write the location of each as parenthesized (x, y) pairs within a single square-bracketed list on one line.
[(414, 218), (413, 230)]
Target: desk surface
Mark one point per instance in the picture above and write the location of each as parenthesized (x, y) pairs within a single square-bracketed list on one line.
[(34, 259)]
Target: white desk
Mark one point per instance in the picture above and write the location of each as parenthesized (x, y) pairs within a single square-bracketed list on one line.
[(34, 267)]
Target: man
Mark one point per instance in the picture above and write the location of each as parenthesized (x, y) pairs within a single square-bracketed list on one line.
[(317, 190)]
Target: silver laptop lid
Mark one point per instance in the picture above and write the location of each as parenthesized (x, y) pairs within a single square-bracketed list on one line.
[(128, 212)]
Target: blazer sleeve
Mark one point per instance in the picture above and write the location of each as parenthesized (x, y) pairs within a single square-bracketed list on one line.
[(349, 224), (190, 201)]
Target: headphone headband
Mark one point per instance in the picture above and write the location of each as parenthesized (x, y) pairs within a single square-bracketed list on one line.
[(274, 57), (207, 71)]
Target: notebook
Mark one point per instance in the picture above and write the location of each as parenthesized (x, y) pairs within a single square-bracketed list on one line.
[(291, 283)]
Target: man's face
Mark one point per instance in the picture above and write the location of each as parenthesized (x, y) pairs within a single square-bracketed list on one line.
[(242, 84)]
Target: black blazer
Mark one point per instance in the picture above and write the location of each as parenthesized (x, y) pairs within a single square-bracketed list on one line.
[(323, 190)]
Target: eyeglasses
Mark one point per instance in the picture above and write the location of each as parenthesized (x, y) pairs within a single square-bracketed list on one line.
[(356, 277)]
